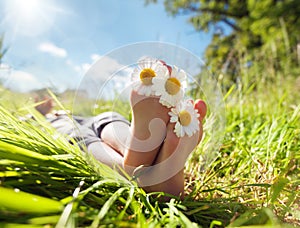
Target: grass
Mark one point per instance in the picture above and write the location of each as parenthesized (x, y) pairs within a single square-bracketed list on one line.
[(258, 163), (253, 181)]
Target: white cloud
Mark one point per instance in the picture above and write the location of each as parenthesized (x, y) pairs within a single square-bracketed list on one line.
[(4, 66), (102, 73), (21, 81), (104, 67), (52, 49), (95, 57), (97, 70), (85, 67)]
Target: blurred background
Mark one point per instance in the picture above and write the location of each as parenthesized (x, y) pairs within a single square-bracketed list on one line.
[(53, 43)]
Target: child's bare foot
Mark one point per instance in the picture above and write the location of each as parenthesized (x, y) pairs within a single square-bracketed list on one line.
[(148, 130), (45, 106), (167, 173), (183, 146)]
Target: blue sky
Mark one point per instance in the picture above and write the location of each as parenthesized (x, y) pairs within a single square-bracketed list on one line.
[(53, 43)]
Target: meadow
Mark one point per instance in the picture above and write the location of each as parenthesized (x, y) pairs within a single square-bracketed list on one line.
[(254, 180)]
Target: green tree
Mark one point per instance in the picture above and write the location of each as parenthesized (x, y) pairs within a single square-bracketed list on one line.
[(244, 28)]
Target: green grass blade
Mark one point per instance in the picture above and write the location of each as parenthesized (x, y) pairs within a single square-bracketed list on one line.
[(105, 208), (16, 200)]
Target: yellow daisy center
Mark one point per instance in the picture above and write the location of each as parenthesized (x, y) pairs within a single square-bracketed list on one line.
[(185, 118), (146, 76), (172, 86)]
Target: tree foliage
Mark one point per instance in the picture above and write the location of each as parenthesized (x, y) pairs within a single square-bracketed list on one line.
[(244, 28)]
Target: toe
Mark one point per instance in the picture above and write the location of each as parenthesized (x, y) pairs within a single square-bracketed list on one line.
[(201, 107)]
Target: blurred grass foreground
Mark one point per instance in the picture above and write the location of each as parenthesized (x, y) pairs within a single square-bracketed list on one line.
[(254, 180)]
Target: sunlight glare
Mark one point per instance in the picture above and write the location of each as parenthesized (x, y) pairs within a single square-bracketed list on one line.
[(27, 8), (29, 17)]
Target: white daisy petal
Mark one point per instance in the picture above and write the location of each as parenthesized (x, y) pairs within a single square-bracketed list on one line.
[(178, 130), (145, 72), (147, 92), (188, 131), (186, 119), (173, 119), (170, 88)]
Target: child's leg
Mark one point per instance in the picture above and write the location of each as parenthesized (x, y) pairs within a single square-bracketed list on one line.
[(115, 135), (105, 154)]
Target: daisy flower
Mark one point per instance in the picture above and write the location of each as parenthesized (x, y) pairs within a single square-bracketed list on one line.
[(143, 75), (186, 118), (170, 89)]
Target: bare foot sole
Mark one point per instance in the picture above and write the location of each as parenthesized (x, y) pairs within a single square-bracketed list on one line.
[(148, 130), (172, 157)]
